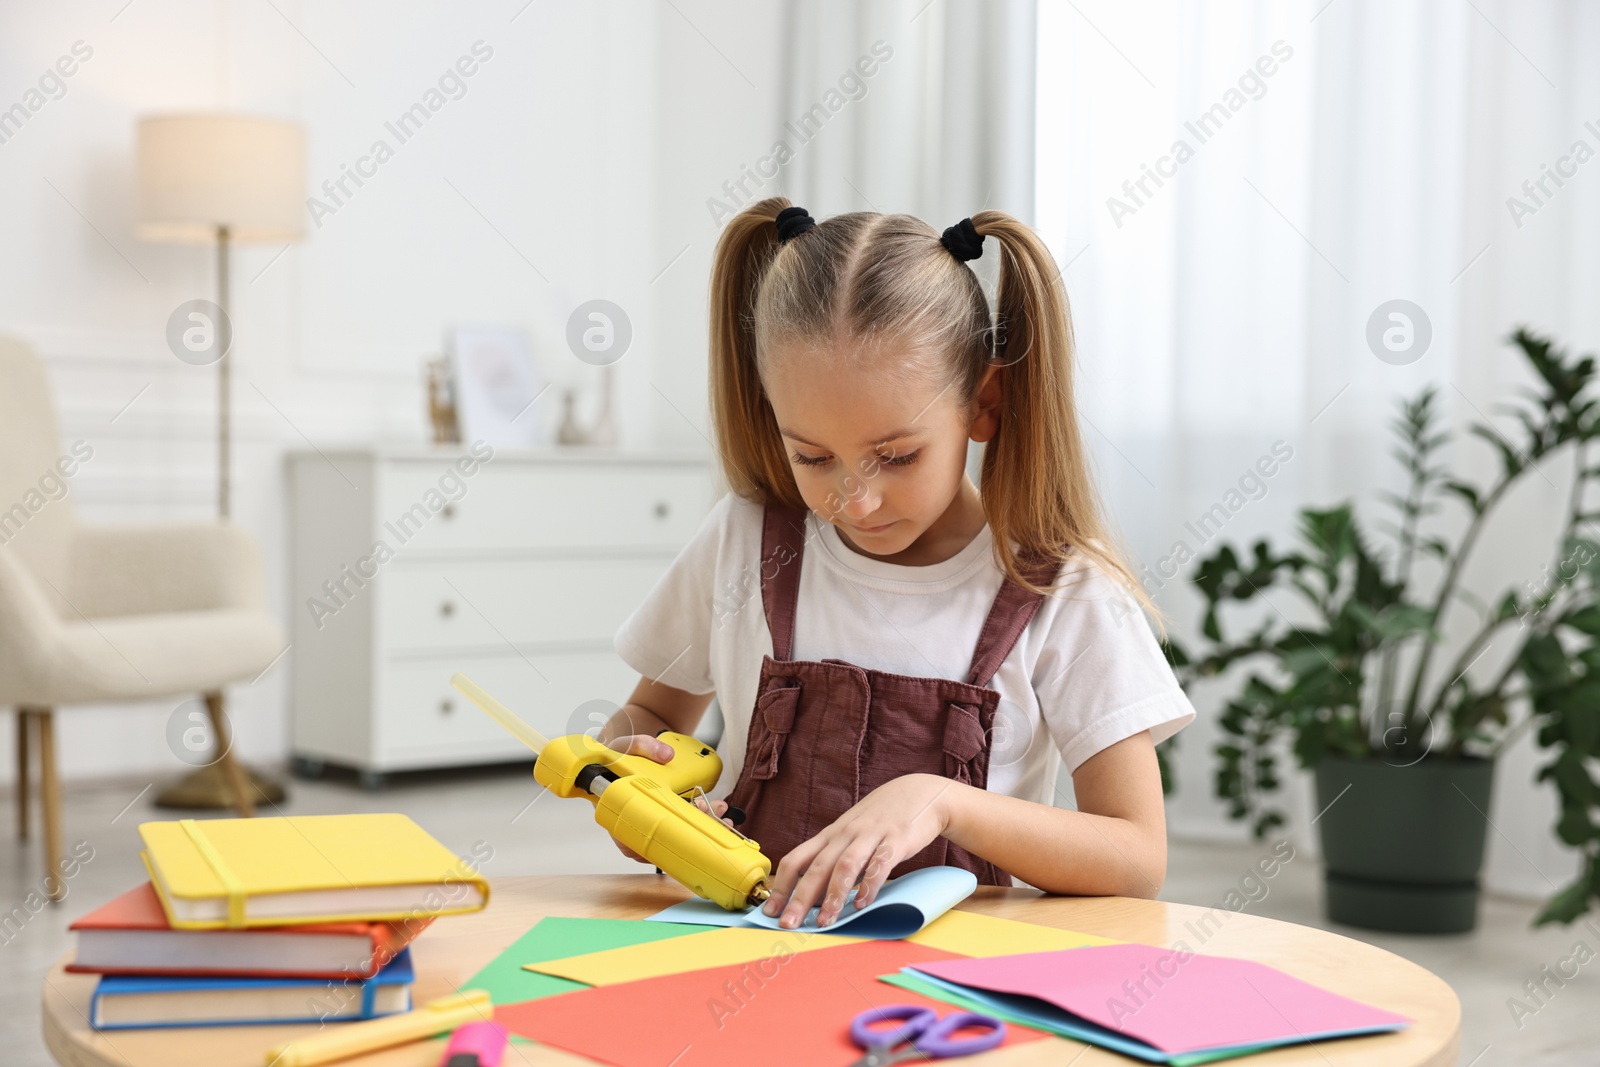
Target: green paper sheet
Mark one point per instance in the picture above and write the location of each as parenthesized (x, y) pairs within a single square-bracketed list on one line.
[(557, 937)]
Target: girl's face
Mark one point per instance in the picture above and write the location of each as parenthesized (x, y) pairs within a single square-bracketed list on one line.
[(878, 448)]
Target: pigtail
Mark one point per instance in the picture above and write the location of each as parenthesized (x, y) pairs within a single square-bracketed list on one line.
[(1037, 488), (753, 458)]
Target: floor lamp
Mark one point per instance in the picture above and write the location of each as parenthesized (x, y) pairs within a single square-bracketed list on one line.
[(222, 180)]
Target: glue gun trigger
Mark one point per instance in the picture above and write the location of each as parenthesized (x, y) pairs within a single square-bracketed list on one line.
[(733, 813)]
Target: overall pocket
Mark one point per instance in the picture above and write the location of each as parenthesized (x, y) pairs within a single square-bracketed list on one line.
[(769, 729), (964, 746)]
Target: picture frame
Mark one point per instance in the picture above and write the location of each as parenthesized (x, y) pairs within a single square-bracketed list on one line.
[(496, 384)]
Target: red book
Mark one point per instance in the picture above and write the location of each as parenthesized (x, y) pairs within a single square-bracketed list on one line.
[(130, 935)]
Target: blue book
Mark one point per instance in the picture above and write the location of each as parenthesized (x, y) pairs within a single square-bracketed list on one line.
[(138, 1001)]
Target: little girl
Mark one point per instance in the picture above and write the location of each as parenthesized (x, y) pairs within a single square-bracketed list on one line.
[(901, 659)]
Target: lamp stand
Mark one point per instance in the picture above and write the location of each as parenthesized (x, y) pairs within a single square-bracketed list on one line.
[(224, 381), (214, 786)]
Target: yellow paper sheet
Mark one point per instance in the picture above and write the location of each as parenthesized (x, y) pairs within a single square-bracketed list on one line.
[(691, 952), (965, 933), (968, 933)]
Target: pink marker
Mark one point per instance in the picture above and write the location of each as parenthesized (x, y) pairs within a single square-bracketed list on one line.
[(476, 1045)]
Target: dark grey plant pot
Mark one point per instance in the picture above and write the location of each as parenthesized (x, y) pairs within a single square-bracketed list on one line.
[(1404, 844)]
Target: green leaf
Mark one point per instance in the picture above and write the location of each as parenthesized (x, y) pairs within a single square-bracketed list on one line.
[(1574, 827), (1566, 905), (1394, 621), (1266, 823), (1510, 460), (1544, 661), (1466, 493), (1573, 778), (1585, 618)]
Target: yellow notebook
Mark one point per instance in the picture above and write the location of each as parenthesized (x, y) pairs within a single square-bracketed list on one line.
[(233, 873)]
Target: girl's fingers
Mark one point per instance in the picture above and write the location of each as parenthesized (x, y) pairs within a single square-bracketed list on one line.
[(642, 745), (876, 874), (789, 871), (808, 890), (719, 808), (846, 871)]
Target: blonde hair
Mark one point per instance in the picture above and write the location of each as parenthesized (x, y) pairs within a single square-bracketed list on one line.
[(866, 277)]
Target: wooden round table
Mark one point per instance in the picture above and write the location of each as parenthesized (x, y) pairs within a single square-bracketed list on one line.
[(453, 949)]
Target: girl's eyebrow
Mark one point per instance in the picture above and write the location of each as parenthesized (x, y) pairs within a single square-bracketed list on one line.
[(895, 435)]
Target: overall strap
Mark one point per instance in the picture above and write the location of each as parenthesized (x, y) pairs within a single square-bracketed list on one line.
[(1012, 610), (783, 542)]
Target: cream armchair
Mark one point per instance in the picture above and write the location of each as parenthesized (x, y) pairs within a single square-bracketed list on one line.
[(96, 614)]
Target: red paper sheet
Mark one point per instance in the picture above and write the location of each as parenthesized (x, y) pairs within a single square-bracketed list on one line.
[(793, 1009)]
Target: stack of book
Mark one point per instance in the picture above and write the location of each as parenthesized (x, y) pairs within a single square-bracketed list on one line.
[(256, 921)]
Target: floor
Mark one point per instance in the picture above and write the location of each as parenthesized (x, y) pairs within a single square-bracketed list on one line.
[(495, 807)]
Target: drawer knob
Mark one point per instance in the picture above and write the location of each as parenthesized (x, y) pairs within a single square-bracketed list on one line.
[(447, 609), (449, 511), (447, 706), (662, 508)]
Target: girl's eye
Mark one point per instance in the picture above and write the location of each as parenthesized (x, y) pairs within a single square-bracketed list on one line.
[(900, 461), (809, 461)]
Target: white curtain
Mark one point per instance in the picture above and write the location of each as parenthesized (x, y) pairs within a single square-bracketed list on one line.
[(1335, 156), (945, 125)]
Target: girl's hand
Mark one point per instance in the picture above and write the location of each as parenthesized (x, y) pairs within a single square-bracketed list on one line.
[(658, 750), (892, 822)]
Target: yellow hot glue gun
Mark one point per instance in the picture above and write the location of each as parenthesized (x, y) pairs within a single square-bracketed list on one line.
[(646, 805)]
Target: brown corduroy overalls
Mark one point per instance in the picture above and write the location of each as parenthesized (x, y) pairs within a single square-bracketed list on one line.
[(825, 733)]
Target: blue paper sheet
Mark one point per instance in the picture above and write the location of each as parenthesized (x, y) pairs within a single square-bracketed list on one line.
[(903, 906)]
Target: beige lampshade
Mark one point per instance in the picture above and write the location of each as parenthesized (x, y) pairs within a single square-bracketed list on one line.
[(199, 172)]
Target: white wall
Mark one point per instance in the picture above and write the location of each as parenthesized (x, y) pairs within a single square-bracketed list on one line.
[(583, 151)]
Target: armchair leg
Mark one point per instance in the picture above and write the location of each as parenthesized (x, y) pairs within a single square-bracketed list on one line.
[(50, 800), (230, 766), (24, 787)]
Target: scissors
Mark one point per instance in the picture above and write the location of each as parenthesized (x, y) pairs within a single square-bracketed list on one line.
[(927, 1034)]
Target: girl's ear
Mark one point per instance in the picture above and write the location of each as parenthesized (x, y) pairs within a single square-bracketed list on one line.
[(986, 402)]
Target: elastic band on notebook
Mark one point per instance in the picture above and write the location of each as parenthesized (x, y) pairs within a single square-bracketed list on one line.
[(230, 885)]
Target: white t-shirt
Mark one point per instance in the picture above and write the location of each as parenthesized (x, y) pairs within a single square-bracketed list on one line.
[(1086, 673)]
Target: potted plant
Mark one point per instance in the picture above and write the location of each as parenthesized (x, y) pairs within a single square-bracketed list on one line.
[(1401, 738)]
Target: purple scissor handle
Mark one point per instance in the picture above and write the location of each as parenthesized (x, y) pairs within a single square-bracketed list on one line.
[(929, 1035)]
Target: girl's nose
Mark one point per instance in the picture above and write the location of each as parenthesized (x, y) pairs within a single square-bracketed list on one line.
[(860, 499)]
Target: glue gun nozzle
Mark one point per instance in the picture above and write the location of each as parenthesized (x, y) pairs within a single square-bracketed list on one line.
[(760, 893)]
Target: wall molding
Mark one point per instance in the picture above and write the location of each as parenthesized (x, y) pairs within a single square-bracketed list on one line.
[(147, 351)]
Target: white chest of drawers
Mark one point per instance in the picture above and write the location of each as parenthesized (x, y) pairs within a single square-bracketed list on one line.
[(407, 566)]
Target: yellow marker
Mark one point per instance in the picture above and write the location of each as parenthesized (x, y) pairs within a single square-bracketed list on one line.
[(355, 1039)]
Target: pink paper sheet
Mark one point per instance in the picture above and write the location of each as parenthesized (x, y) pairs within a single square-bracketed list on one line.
[(1174, 1000)]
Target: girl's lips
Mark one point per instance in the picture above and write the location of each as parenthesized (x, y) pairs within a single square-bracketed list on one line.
[(873, 529)]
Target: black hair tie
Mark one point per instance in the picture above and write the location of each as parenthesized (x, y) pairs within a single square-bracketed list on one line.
[(963, 240), (792, 222)]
